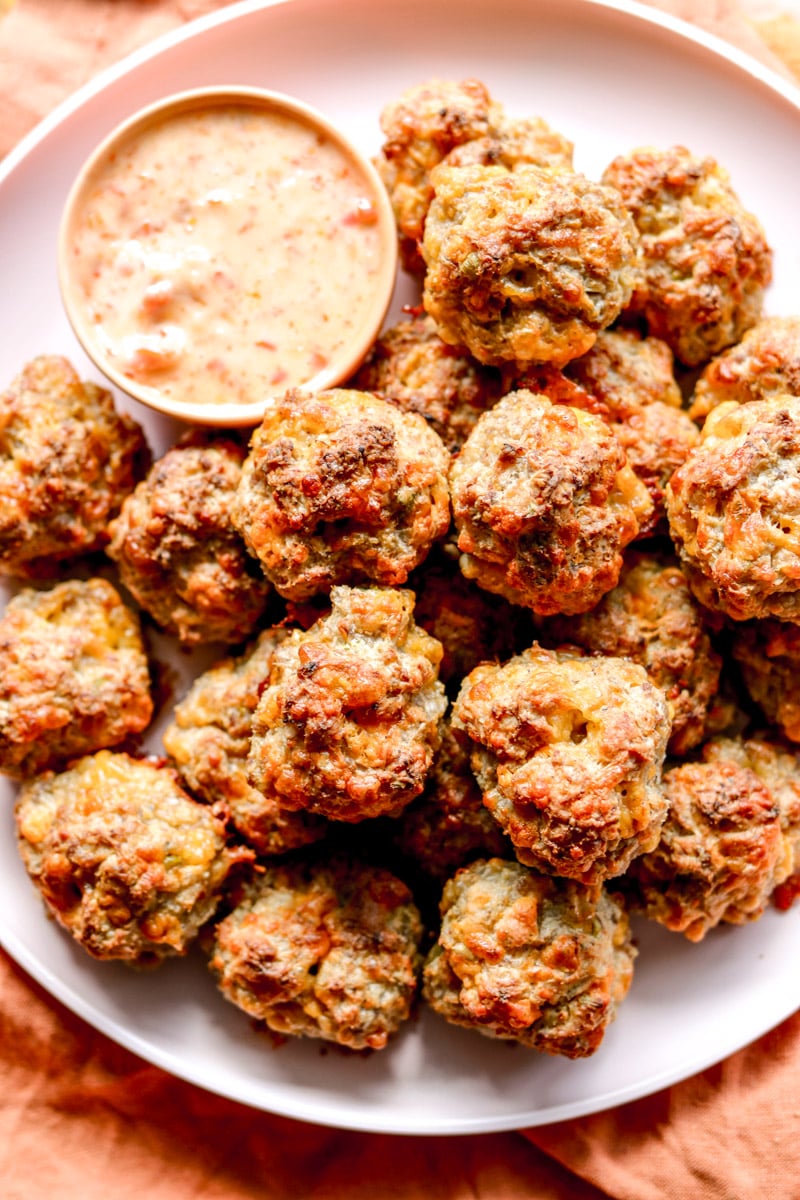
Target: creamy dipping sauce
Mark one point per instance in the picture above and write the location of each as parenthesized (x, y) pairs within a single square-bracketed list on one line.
[(225, 253)]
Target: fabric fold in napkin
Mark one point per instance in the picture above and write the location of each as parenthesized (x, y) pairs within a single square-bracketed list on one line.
[(83, 1119)]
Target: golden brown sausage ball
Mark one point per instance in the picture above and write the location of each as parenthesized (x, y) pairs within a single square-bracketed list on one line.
[(526, 265), (410, 365), (656, 440), (178, 552), (633, 377), (651, 618), (778, 767), (420, 129), (766, 362), (628, 380), (515, 142), (67, 461), (530, 958), (734, 510), (322, 949), (472, 625), (348, 726), (568, 753), (768, 656), (706, 259), (440, 118), (208, 741), (627, 372), (124, 859), (448, 825), (74, 675), (722, 851), (544, 503), (341, 488)]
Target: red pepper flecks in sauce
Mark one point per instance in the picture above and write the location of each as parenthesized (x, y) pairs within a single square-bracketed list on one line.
[(226, 251)]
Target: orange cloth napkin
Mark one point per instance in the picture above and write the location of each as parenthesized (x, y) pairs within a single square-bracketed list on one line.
[(82, 1118)]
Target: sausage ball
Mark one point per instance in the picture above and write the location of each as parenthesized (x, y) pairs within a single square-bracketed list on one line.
[(208, 741), (627, 372), (526, 265), (412, 367), (568, 753), (778, 767), (67, 461), (722, 851), (766, 362), (529, 958), (768, 656), (349, 723), (734, 510), (544, 503), (651, 618), (706, 259), (178, 552), (323, 949), (440, 118), (633, 378), (124, 859), (74, 675), (448, 825), (341, 488), (628, 380), (472, 625), (657, 440)]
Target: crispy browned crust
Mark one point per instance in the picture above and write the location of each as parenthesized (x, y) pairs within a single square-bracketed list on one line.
[(341, 488), (706, 259), (411, 366), (208, 741), (449, 825), (178, 552), (656, 440), (544, 503), (651, 618), (348, 726), (67, 461), (627, 372), (74, 675), (420, 128), (721, 853), (734, 510), (777, 765), (322, 949), (766, 362), (768, 656), (526, 265), (568, 753), (443, 119), (530, 958), (628, 380), (124, 859)]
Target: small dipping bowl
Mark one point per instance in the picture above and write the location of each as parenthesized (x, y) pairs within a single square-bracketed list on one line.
[(221, 246)]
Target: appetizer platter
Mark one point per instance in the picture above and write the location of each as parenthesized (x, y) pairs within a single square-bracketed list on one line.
[(577, 102)]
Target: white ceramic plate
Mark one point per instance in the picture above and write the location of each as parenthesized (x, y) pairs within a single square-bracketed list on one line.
[(610, 77)]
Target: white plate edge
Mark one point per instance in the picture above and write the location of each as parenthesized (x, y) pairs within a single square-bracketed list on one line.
[(199, 25)]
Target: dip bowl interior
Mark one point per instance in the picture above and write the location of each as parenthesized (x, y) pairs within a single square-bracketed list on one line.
[(221, 246)]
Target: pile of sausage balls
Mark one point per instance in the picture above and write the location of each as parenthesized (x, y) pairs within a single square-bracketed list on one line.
[(507, 629)]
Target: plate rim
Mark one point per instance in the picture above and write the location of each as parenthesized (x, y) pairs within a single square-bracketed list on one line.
[(683, 29), (324, 1113)]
